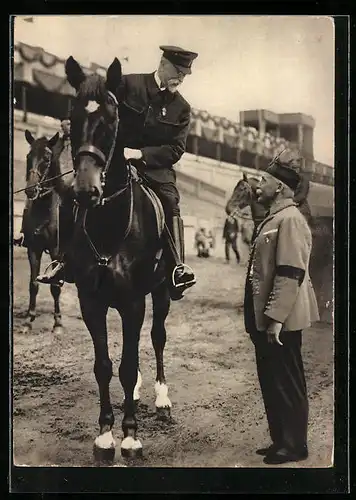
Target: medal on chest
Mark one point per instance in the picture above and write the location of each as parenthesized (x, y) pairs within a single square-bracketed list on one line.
[(164, 111)]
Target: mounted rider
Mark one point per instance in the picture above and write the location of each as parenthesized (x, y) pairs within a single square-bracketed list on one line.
[(154, 122)]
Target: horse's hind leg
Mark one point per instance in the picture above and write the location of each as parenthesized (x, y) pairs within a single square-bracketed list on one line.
[(58, 326), (34, 258), (132, 314), (56, 293), (94, 316), (161, 304)]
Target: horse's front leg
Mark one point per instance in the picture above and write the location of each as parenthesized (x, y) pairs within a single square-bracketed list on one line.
[(132, 314), (94, 315), (58, 325), (161, 304), (34, 258), (56, 293)]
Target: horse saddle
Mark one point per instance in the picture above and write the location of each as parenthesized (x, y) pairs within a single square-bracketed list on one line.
[(156, 203)]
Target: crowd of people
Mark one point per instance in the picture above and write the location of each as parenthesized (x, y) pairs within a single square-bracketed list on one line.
[(234, 134)]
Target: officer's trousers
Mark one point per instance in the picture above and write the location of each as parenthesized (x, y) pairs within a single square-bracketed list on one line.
[(281, 376), (169, 196)]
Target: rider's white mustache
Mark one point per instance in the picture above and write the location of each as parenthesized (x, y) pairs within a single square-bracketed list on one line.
[(174, 83)]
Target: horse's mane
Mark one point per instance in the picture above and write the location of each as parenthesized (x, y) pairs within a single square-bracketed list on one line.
[(92, 89)]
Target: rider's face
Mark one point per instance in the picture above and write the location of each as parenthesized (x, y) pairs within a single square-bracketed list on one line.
[(170, 75)]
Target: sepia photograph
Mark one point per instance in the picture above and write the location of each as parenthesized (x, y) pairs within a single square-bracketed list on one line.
[(173, 240)]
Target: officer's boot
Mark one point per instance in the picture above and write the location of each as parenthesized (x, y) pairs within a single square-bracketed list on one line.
[(182, 276)]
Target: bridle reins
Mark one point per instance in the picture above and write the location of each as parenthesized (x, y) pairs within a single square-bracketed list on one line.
[(41, 192), (93, 150)]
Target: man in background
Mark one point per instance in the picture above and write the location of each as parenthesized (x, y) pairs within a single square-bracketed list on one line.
[(230, 233)]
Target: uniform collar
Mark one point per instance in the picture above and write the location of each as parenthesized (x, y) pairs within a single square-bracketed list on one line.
[(276, 207), (158, 81), (280, 205)]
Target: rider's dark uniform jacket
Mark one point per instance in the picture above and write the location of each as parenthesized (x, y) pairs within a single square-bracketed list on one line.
[(154, 121)]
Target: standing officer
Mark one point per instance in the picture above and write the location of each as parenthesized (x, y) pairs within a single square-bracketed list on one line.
[(154, 121), (279, 303)]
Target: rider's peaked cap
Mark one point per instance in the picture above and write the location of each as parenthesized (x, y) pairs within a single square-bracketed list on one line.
[(179, 57), (286, 167)]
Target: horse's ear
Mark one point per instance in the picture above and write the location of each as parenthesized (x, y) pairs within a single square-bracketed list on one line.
[(114, 76), (53, 140), (75, 74), (244, 176), (29, 137)]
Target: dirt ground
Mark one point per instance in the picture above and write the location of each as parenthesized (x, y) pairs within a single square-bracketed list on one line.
[(218, 418)]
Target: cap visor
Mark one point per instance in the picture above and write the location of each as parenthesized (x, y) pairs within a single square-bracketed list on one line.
[(186, 71)]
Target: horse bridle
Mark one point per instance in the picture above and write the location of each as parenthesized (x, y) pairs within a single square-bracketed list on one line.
[(93, 150), (90, 149), (40, 191)]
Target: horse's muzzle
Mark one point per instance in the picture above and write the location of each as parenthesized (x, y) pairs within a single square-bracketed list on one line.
[(88, 198), (32, 192)]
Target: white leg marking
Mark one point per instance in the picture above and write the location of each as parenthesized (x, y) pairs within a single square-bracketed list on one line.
[(129, 443), (105, 441), (162, 399), (136, 394)]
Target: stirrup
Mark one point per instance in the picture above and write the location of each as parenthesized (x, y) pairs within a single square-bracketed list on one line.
[(55, 265), (186, 284)]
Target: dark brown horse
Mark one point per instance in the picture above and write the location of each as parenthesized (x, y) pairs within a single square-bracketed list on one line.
[(244, 194), (114, 251), (40, 220)]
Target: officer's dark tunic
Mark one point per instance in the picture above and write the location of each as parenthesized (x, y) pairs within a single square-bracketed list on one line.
[(157, 123)]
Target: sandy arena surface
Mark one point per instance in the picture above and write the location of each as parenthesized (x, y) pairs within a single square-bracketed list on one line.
[(218, 418)]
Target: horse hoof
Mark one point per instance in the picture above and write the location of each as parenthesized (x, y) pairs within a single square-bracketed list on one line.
[(26, 329), (104, 448), (58, 330), (104, 455), (131, 448), (163, 413)]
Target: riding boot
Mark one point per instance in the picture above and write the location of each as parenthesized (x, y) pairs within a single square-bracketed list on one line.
[(181, 276), (58, 271)]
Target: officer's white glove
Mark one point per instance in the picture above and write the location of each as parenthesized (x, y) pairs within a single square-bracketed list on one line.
[(132, 154)]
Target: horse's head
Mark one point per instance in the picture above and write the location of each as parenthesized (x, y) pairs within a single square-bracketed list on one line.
[(94, 129), (38, 163), (242, 195)]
